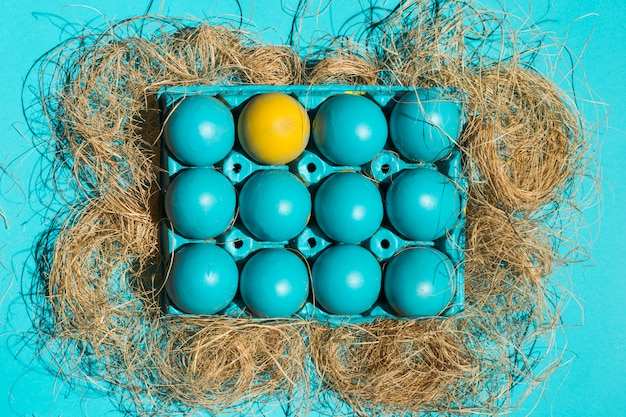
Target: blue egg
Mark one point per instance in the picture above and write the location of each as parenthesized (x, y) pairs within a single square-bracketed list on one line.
[(274, 283), (425, 125), (202, 280), (349, 129), (348, 207), (346, 279), (274, 205), (422, 204), (200, 130), (200, 203), (419, 282)]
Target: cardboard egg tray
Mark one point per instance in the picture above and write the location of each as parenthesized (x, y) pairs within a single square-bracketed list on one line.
[(312, 168)]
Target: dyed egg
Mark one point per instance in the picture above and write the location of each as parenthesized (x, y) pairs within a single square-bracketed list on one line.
[(274, 205), (419, 282), (349, 129), (273, 128), (274, 283), (203, 279), (424, 125), (200, 130), (346, 279), (200, 203), (422, 204), (348, 207)]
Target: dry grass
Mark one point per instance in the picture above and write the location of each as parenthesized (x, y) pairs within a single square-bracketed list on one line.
[(523, 144)]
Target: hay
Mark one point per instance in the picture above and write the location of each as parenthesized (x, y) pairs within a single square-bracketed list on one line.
[(99, 270), (406, 365), (521, 123), (343, 66), (271, 65)]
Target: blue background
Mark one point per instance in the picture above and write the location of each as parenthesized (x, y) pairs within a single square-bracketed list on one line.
[(593, 380)]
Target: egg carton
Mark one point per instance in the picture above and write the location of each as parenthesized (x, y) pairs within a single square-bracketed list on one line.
[(312, 168)]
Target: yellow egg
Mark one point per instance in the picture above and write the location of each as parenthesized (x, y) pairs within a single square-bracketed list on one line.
[(273, 128)]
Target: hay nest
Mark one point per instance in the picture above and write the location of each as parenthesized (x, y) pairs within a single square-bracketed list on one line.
[(99, 264)]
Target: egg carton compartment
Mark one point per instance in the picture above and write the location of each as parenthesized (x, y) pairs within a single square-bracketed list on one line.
[(313, 168)]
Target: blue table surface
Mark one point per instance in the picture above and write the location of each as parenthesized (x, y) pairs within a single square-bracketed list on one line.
[(591, 383)]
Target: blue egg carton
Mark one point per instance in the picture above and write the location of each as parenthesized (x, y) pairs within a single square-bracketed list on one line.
[(312, 168)]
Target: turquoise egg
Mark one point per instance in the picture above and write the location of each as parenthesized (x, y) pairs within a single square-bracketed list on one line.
[(419, 282), (199, 130), (422, 204), (274, 283), (203, 279), (346, 279), (200, 203), (425, 125), (348, 207), (274, 205), (349, 129)]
